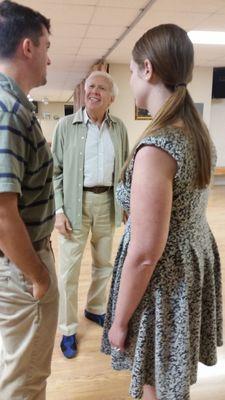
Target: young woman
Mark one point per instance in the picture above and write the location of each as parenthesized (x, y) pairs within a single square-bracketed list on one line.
[(164, 311)]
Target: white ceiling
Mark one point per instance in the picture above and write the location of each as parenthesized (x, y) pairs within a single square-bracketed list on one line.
[(84, 30)]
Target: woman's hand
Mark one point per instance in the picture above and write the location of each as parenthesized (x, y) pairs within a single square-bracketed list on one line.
[(118, 336)]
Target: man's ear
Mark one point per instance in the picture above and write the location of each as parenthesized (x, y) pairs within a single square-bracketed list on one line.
[(112, 99), (147, 70), (27, 48)]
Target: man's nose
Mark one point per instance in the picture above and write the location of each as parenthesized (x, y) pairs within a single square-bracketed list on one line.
[(95, 90)]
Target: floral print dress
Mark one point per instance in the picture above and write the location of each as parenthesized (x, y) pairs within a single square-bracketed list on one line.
[(179, 319)]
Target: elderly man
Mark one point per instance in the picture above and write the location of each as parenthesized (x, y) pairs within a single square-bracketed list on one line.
[(28, 284), (89, 150)]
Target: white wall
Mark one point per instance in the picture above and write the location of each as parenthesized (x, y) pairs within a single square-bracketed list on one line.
[(200, 89)]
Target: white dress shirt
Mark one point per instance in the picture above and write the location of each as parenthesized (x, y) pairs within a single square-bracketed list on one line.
[(99, 154)]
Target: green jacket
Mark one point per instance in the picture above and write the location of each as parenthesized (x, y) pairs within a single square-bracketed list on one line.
[(68, 149)]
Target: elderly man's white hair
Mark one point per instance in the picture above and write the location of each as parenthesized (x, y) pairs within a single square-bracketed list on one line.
[(105, 75)]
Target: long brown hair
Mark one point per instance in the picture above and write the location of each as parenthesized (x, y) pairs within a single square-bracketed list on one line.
[(171, 54)]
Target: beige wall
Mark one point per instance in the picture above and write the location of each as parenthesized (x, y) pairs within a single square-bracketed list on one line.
[(55, 110), (217, 128), (123, 107), (201, 90)]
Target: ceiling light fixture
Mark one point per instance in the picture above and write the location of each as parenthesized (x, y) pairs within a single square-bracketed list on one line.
[(207, 37)]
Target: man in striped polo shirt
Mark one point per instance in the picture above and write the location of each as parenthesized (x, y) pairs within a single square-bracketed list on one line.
[(28, 284)]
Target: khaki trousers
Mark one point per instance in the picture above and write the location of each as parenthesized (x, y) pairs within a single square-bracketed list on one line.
[(98, 217), (27, 330)]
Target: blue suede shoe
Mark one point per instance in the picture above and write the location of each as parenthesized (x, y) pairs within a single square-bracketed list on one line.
[(98, 319), (69, 346)]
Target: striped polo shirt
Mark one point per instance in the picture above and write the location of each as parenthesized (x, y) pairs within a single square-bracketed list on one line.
[(26, 164)]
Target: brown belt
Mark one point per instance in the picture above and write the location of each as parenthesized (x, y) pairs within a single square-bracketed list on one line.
[(97, 189), (38, 245)]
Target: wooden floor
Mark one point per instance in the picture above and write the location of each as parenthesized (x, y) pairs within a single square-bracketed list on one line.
[(89, 375)]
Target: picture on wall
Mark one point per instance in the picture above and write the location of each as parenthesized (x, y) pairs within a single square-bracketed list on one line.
[(141, 113)]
